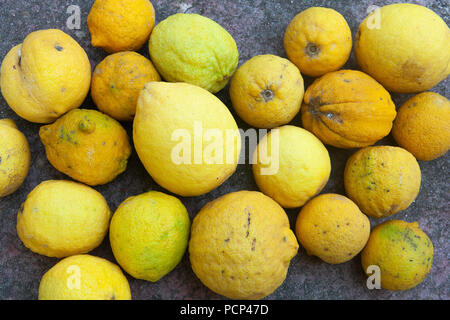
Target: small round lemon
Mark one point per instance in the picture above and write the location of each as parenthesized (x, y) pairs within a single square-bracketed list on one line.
[(14, 157), (117, 82), (87, 145), (291, 165), (149, 234), (332, 227), (62, 218), (267, 91), (84, 277), (120, 25), (241, 245)]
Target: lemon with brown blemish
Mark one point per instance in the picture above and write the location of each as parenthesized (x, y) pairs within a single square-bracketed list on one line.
[(117, 82), (382, 180), (87, 145), (267, 91), (45, 76), (84, 277), (402, 251), (332, 227), (14, 157), (120, 25), (61, 218)]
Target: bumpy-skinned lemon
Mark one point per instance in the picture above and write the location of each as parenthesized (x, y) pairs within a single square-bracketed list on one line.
[(84, 277), (402, 251), (186, 137), (87, 145), (332, 227), (267, 91), (318, 40), (61, 218), (241, 245), (14, 157), (45, 76), (117, 82), (422, 126), (149, 234), (120, 25), (382, 180), (291, 165), (191, 48), (405, 47)]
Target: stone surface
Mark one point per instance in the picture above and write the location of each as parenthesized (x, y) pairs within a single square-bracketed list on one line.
[(258, 27)]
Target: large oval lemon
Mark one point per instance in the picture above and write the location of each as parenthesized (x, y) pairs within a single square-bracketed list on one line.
[(186, 137)]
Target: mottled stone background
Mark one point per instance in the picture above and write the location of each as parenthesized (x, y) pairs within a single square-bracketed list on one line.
[(258, 27)]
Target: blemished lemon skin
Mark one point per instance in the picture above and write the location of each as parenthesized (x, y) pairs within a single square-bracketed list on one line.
[(117, 82), (170, 115), (405, 47), (382, 180), (332, 227), (61, 218), (87, 145), (188, 47), (318, 40), (120, 25), (291, 165), (84, 277), (14, 157), (149, 234), (45, 76), (422, 126), (402, 251), (241, 245), (267, 91)]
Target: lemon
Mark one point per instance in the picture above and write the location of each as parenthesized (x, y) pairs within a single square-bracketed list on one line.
[(191, 48), (186, 137), (402, 251), (267, 91), (87, 145), (62, 218), (120, 25), (84, 277), (45, 76), (405, 47), (241, 245), (149, 234), (14, 157), (291, 165), (332, 227), (117, 82)]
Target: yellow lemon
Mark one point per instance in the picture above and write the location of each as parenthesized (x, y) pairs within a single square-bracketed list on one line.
[(120, 25), (194, 49), (267, 91), (405, 47), (62, 218), (332, 227), (14, 157), (117, 82), (291, 165), (149, 234), (87, 145), (402, 251), (186, 137), (382, 180), (84, 277), (241, 245), (318, 40), (45, 76), (422, 126)]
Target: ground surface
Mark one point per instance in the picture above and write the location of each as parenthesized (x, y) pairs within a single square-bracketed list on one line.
[(258, 27)]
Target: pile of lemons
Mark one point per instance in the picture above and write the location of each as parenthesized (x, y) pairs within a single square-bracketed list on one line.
[(240, 245)]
